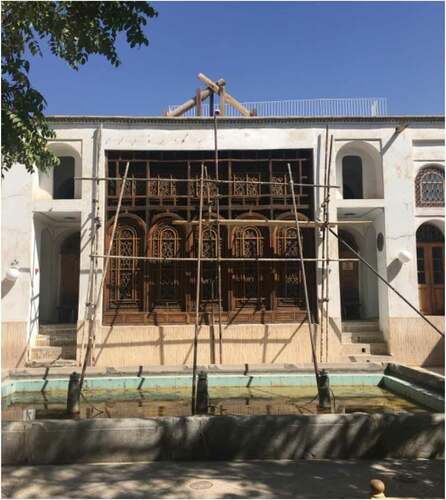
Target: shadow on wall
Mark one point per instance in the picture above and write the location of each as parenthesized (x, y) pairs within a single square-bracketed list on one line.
[(436, 357), (393, 269), (272, 348), (6, 287)]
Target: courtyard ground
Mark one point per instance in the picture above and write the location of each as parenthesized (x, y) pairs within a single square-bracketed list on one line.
[(236, 479)]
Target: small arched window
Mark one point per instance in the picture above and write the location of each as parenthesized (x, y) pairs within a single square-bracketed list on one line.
[(428, 233), (63, 179), (429, 187), (166, 242), (248, 242), (287, 244), (352, 188)]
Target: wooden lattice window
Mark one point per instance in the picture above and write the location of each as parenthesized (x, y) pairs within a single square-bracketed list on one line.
[(248, 278), (125, 278), (429, 187), (280, 186), (166, 243), (162, 187), (288, 289), (209, 188), (209, 270), (246, 184)]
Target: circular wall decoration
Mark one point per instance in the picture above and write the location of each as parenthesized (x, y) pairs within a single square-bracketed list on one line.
[(380, 241)]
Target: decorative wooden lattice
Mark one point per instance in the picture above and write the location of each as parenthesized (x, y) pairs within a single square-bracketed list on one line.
[(166, 243), (246, 185), (162, 187), (289, 289), (429, 187), (125, 274)]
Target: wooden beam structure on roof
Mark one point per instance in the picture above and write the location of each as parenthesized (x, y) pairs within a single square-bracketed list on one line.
[(194, 101), (217, 87), (227, 97)]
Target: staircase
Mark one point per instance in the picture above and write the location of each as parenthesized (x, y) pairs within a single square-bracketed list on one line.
[(55, 346), (362, 342)]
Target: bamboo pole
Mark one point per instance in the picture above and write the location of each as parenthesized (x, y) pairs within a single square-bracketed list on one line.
[(304, 279), (197, 294), (104, 273)]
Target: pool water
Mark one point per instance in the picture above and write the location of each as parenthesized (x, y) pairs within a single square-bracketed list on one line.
[(223, 400)]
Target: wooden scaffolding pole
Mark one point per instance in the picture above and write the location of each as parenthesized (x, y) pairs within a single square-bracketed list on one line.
[(304, 278), (217, 209), (94, 306), (93, 266), (197, 294), (324, 300)]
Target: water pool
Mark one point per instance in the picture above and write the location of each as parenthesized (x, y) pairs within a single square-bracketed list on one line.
[(267, 394)]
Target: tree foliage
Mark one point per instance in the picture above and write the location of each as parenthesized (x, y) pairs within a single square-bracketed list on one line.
[(73, 32)]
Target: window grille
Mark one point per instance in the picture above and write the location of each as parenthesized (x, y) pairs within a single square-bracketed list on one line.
[(429, 187)]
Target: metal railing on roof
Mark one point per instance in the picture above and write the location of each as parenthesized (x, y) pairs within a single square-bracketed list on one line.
[(352, 106)]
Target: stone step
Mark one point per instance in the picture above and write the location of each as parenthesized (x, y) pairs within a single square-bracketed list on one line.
[(58, 328), (369, 337), (360, 326), (56, 339), (368, 358), (44, 363), (46, 352), (365, 348)]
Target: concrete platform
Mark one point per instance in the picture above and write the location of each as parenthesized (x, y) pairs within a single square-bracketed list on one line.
[(238, 479)]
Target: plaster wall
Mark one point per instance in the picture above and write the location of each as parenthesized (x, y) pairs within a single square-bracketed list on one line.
[(400, 157), (122, 346)]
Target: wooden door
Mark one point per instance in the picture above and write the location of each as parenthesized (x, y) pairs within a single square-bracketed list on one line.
[(430, 263)]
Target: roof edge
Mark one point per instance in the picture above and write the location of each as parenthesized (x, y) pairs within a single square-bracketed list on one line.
[(243, 119)]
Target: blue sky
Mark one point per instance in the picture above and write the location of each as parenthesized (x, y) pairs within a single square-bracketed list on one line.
[(264, 51)]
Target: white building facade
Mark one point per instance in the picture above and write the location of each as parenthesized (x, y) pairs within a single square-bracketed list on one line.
[(390, 205)]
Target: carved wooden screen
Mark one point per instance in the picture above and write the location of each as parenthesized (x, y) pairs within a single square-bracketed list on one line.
[(125, 275), (289, 291), (166, 242), (429, 187), (248, 276)]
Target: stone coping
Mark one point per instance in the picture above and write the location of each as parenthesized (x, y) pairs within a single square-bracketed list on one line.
[(41, 372)]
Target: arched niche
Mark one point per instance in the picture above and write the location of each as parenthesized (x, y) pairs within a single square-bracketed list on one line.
[(59, 182), (359, 171)]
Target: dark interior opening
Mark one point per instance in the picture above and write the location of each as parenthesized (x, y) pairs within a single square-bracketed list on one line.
[(63, 179), (352, 177)]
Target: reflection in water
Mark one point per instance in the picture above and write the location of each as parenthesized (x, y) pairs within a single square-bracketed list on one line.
[(279, 400)]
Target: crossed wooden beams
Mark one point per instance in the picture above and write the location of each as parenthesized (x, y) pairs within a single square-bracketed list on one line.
[(217, 87)]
